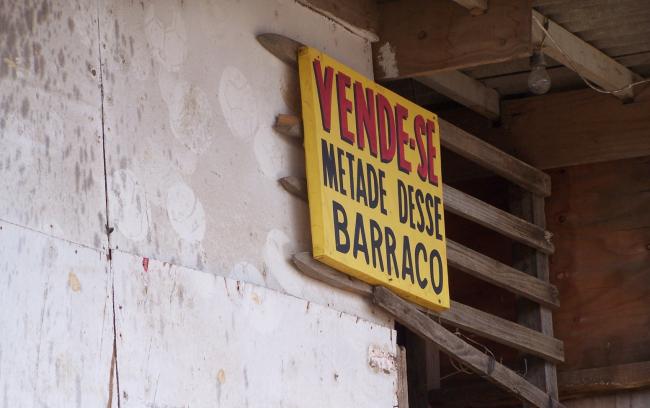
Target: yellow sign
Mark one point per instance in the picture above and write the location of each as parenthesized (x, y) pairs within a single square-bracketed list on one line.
[(374, 182)]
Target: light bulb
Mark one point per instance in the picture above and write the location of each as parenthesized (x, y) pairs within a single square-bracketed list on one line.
[(538, 80)]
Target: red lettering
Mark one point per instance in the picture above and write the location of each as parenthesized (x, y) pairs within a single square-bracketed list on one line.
[(431, 129), (420, 128), (364, 110), (401, 114), (324, 87), (386, 123), (345, 106)]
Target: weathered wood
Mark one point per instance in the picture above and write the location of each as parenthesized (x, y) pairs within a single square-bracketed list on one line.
[(284, 48), (530, 207), (475, 7), (488, 156), (601, 218), (288, 125), (402, 378), (465, 90), (572, 384), (576, 127), (421, 37), (475, 210), (592, 63), (359, 16), (483, 365), (499, 274), (472, 209), (421, 367), (459, 315), (604, 379), (471, 262)]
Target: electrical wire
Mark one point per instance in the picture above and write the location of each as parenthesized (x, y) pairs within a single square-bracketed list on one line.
[(572, 66)]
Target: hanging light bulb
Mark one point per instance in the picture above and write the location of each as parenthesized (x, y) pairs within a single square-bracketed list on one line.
[(538, 81)]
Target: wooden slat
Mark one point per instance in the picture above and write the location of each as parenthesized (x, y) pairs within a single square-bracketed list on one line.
[(468, 207), (422, 37), (501, 275), (465, 90), (470, 261), (459, 315), (480, 363), (288, 125), (475, 7), (589, 61), (497, 220), (452, 137), (604, 379), (402, 378), (488, 156)]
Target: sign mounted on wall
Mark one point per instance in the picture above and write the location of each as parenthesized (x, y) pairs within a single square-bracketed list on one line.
[(374, 182)]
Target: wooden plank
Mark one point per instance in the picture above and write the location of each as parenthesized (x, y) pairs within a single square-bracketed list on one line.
[(539, 372), (471, 262), (483, 365), (604, 379), (488, 156), (459, 315), (497, 220), (402, 378), (288, 125), (422, 37), (602, 223), (422, 366), (576, 127), (465, 90), (572, 384), (470, 208), (283, 48), (485, 268), (475, 7), (359, 16), (587, 60)]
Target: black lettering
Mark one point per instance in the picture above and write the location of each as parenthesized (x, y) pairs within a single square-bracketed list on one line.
[(360, 242), (339, 154), (419, 199), (401, 199), (420, 249), (437, 289), (340, 227), (407, 260), (437, 202), (391, 259), (375, 244), (329, 165)]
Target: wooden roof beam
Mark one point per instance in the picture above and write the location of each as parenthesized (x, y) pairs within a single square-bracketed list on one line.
[(588, 61), (475, 7)]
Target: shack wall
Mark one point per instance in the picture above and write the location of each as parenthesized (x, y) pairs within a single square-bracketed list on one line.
[(144, 240)]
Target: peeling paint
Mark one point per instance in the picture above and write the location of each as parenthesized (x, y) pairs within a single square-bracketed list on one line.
[(387, 61)]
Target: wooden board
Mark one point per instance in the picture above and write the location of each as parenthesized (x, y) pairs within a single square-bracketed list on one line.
[(421, 37), (455, 347), (600, 218), (359, 16), (459, 315), (576, 127)]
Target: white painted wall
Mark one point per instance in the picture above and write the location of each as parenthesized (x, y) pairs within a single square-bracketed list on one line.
[(219, 315)]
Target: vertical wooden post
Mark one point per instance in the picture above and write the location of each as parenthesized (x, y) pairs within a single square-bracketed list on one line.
[(531, 208), (402, 379)]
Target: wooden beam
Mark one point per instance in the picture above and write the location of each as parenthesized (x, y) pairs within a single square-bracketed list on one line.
[(459, 315), (402, 378), (359, 16), (572, 384), (465, 90), (475, 210), (480, 363), (475, 7), (576, 127), (604, 379), (470, 261), (470, 208), (422, 37), (538, 317), (499, 162), (487, 156), (587, 60)]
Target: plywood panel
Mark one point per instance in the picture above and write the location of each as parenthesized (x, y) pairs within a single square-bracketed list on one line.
[(56, 322), (188, 338), (601, 224), (192, 158), (50, 120)]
